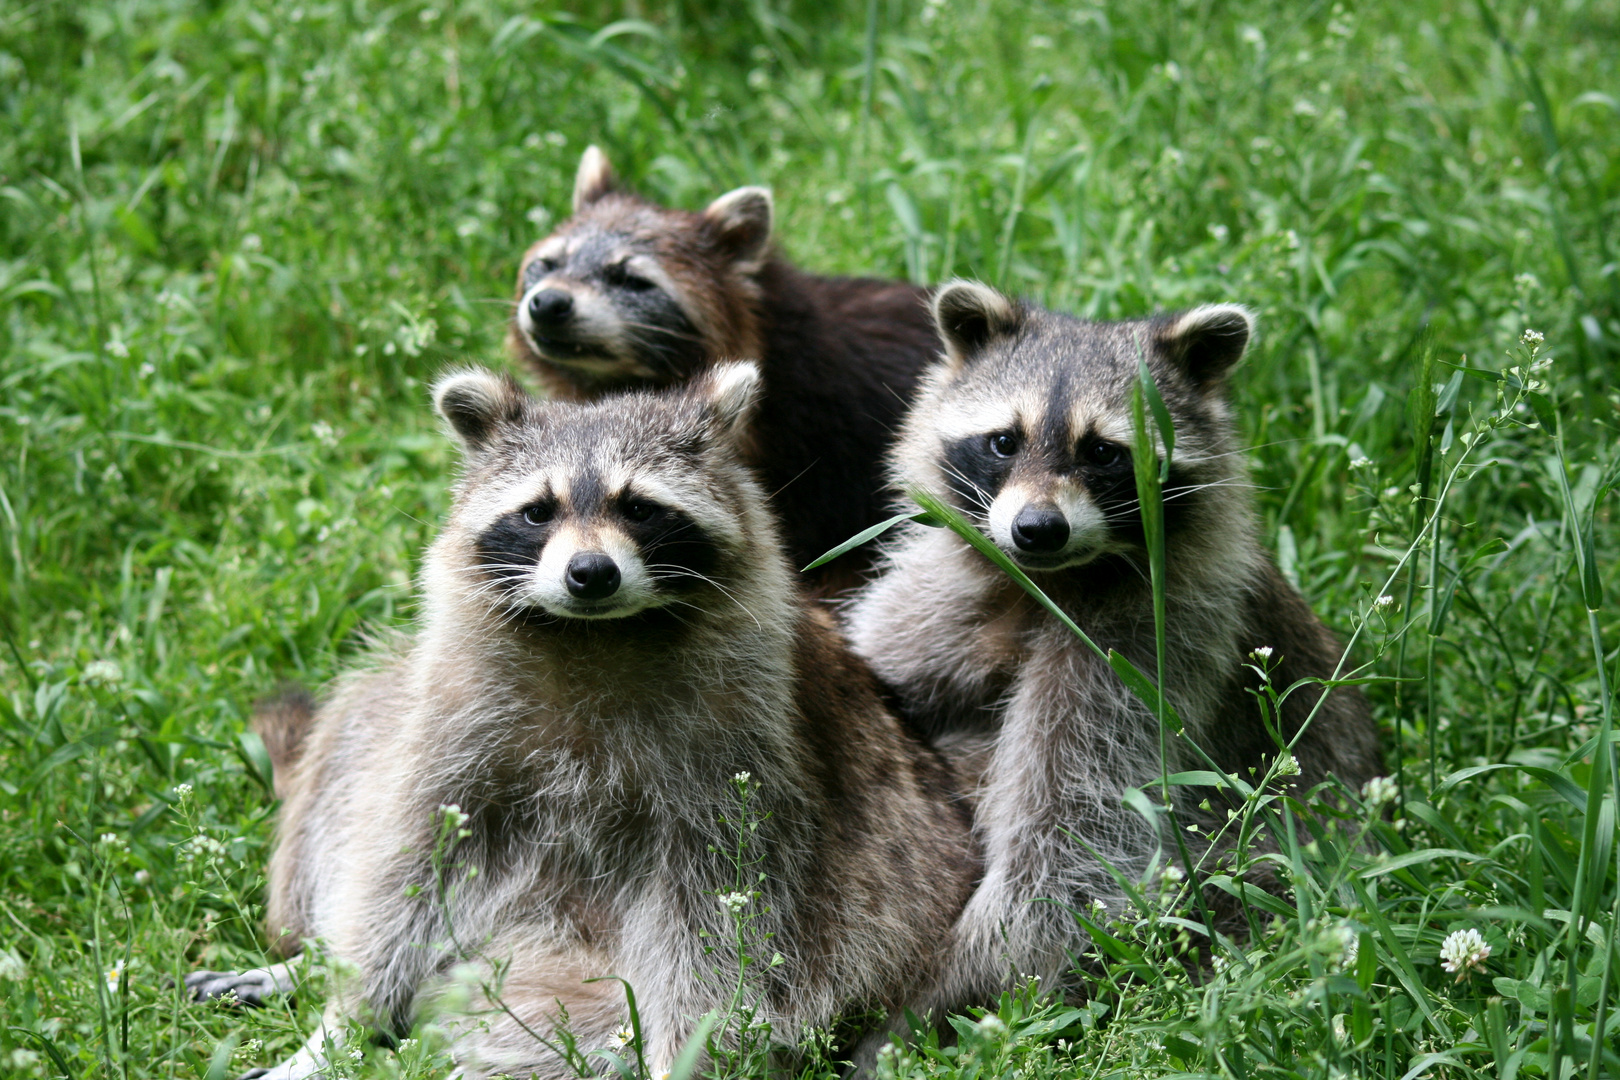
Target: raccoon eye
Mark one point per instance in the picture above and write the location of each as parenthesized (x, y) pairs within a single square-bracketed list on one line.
[(1104, 453), (619, 275), (640, 510), (538, 514), (1003, 444), (537, 269)]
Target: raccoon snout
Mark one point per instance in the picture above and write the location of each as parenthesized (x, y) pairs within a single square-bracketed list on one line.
[(592, 576), (1040, 530), (550, 306)]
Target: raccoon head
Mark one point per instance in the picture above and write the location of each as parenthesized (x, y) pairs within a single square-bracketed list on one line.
[(601, 511), (629, 293), (1025, 424)]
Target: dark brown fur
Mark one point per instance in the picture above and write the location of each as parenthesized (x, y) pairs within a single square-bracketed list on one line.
[(282, 721)]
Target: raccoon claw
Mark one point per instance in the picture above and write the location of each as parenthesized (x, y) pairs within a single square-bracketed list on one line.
[(249, 988)]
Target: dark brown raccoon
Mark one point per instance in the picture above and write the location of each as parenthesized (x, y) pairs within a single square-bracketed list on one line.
[(630, 294)]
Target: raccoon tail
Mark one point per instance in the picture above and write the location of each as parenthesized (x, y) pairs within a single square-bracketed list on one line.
[(283, 721)]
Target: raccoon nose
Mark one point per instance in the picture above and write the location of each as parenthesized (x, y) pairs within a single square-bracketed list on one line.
[(1040, 530), (550, 306), (592, 576)]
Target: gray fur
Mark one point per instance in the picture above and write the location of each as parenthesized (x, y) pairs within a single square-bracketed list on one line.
[(1051, 732), (594, 760)]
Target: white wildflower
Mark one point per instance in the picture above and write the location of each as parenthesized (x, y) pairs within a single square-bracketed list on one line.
[(991, 1026), (1527, 281), (112, 840), (1173, 874), (102, 671), (1384, 601), (22, 1058), (1463, 951), (1288, 766), (118, 348), (1362, 462), (1532, 339), (324, 433), (249, 1050), (182, 792), (251, 242), (1251, 35), (621, 1039), (147, 370), (453, 815), (734, 902), (12, 967), (1378, 791), (1349, 943), (1262, 654), (143, 877), (115, 975), (743, 777)]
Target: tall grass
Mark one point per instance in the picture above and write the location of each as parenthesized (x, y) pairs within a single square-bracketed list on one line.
[(236, 240)]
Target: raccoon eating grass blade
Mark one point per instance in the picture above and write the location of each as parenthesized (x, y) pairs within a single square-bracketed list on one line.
[(925, 518)]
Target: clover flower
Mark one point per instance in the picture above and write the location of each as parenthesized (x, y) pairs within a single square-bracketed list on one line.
[(1463, 951), (102, 671)]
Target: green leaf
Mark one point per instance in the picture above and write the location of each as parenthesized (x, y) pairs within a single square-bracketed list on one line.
[(1426, 855), (136, 228), (871, 534), (1144, 688), (1566, 788), (686, 1060), (1161, 417)]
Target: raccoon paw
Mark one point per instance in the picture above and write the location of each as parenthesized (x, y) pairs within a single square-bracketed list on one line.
[(251, 988)]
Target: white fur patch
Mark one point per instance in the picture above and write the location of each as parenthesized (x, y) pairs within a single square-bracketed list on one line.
[(1208, 316), (594, 179), (1088, 526), (733, 389), (548, 586)]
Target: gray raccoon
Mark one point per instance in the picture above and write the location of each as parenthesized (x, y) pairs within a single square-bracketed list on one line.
[(609, 634), (1025, 425)]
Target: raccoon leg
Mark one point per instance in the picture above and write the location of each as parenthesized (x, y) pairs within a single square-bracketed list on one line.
[(1049, 818), (251, 987)]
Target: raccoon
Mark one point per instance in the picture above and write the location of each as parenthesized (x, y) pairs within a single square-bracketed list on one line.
[(1025, 426), (611, 643), (631, 294)]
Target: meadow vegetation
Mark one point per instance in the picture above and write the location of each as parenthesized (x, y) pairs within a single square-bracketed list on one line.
[(238, 239)]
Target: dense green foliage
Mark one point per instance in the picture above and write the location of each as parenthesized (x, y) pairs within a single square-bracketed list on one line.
[(236, 239)]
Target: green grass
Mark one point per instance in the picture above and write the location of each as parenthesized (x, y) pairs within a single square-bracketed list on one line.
[(236, 240)]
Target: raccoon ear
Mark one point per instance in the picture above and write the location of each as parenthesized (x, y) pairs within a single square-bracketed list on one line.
[(1206, 341), (476, 403), (743, 220), (969, 314), (594, 179), (730, 390)]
